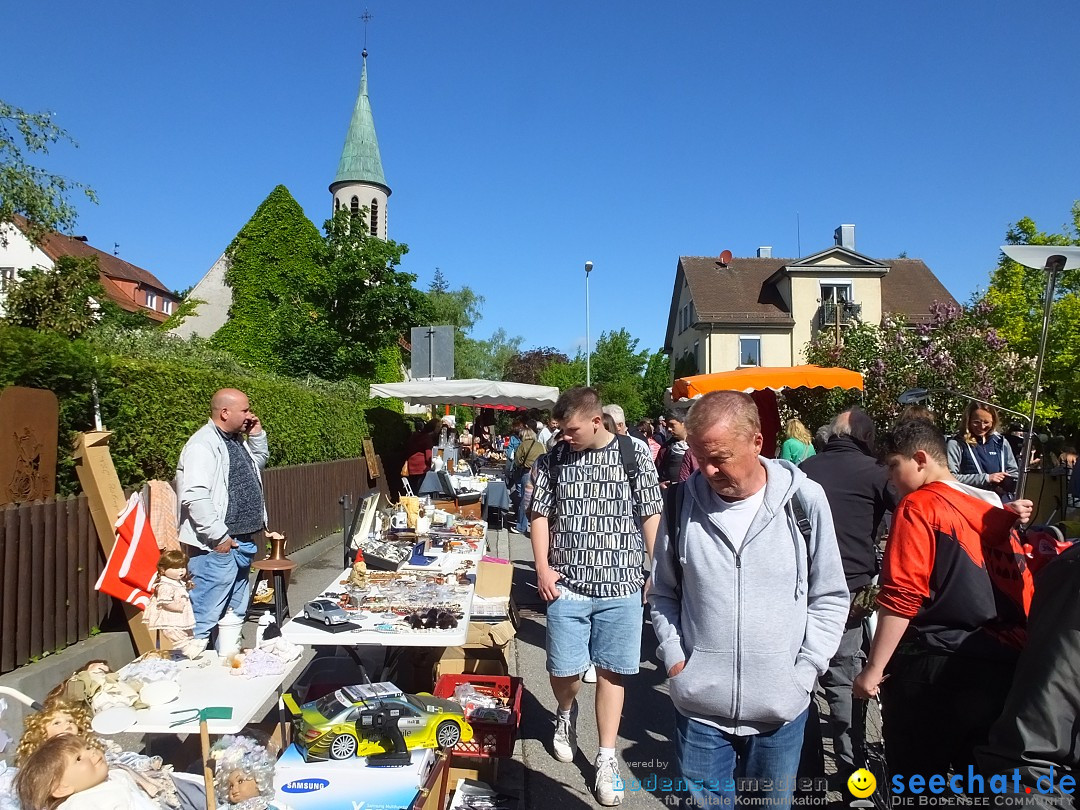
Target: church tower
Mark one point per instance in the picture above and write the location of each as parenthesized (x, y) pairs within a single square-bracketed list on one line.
[(360, 182)]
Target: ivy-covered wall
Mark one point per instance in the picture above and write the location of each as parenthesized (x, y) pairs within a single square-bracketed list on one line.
[(155, 392), (272, 264)]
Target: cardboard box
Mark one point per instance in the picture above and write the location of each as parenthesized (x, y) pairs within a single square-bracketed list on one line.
[(494, 577), (472, 661), (478, 769), (349, 783)]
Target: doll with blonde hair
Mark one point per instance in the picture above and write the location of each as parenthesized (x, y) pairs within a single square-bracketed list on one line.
[(70, 772), (169, 611), (60, 717)]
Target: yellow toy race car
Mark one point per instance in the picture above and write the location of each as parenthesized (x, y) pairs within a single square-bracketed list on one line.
[(375, 719)]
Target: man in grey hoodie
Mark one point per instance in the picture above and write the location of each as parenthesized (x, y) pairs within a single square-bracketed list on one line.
[(748, 607)]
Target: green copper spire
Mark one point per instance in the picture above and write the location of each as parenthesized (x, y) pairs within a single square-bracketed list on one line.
[(360, 160)]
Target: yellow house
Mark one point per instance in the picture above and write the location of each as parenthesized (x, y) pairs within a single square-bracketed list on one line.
[(727, 312)]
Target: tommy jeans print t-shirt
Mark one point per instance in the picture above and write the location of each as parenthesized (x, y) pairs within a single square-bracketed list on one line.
[(595, 542)]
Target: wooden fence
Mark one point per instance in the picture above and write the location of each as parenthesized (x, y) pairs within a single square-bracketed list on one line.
[(50, 556), (303, 501), (51, 559)]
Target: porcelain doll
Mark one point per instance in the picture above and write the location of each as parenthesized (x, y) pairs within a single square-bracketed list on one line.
[(170, 611)]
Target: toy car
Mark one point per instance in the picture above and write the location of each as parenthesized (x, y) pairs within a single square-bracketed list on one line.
[(324, 610), (374, 718)]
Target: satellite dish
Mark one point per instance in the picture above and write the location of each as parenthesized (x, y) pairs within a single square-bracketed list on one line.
[(725, 258)]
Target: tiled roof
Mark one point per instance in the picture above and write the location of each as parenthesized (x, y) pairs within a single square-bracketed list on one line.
[(740, 292), (910, 287), (55, 245)]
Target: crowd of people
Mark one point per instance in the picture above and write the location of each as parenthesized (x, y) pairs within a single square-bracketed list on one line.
[(763, 572)]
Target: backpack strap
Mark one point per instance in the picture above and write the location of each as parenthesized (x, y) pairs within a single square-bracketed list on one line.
[(798, 511), (628, 454), (673, 505)]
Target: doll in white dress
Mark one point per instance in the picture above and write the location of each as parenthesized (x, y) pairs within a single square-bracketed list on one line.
[(169, 611)]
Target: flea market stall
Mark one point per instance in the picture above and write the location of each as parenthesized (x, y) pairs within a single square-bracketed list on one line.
[(762, 383)]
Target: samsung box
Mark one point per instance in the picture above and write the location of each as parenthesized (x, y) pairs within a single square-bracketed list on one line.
[(348, 784)]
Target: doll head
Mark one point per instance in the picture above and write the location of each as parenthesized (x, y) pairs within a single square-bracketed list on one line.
[(173, 564), (60, 768), (243, 769), (57, 717)]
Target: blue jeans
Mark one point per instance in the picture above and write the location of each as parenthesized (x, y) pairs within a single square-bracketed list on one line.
[(719, 767), (522, 514), (221, 583)]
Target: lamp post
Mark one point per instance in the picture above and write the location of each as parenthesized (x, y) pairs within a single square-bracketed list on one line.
[(588, 341), (1053, 259)]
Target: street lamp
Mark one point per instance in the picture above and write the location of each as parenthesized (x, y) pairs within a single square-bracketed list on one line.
[(1053, 259), (588, 341)]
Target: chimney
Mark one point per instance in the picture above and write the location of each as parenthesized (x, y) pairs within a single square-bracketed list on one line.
[(844, 236), (764, 252)]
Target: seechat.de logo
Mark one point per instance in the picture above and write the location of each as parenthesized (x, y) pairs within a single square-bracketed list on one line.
[(861, 783), (305, 785)]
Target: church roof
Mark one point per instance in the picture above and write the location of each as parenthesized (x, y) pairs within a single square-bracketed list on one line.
[(360, 159)]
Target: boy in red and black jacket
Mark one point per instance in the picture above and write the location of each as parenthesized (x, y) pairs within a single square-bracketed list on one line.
[(955, 591)]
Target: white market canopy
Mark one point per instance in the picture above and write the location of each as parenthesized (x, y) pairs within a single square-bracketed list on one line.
[(481, 393)]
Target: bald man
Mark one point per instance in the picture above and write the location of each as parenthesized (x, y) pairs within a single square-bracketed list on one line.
[(219, 484)]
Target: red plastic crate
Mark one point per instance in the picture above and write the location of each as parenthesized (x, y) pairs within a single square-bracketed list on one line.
[(489, 739)]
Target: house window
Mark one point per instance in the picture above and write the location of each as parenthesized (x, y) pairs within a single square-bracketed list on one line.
[(354, 206), (7, 277), (835, 293), (749, 350), (374, 218), (697, 357), (151, 301), (167, 307)]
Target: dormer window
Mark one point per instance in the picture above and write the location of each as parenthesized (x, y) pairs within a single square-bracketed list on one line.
[(151, 300)]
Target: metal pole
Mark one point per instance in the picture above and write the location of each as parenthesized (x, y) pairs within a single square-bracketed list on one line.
[(588, 340), (1054, 265)]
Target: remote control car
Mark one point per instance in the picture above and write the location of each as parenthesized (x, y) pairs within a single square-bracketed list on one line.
[(372, 719), (325, 611)]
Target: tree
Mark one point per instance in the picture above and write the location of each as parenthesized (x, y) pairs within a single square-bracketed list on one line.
[(357, 307), (655, 383), (68, 299), (958, 349), (526, 367), (474, 358), (65, 299), (1016, 296), (564, 375), (38, 195)]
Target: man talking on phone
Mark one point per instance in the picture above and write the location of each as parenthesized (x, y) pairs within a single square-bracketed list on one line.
[(222, 508)]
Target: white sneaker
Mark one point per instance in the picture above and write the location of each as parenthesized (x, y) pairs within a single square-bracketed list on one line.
[(608, 787), (564, 744), (590, 675)]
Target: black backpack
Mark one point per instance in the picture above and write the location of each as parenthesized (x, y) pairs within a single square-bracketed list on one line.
[(674, 496)]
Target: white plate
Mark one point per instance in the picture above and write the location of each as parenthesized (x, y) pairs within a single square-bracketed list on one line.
[(159, 693), (114, 720)]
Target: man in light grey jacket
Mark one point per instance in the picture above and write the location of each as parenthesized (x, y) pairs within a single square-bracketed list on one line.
[(749, 602), (219, 487)]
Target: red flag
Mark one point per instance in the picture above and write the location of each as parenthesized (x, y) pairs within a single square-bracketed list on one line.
[(133, 561)]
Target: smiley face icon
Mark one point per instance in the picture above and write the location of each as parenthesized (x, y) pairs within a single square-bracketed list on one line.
[(861, 783)]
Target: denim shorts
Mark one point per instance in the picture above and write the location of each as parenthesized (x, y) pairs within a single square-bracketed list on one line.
[(583, 630)]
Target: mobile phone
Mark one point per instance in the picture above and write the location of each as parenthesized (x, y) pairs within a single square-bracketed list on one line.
[(248, 425)]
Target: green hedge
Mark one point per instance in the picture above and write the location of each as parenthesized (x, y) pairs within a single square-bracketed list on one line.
[(154, 403)]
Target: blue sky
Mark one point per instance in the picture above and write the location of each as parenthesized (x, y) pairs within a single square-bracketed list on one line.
[(523, 138)]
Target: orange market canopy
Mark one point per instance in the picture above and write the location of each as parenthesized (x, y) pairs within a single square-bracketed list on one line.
[(759, 378)]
